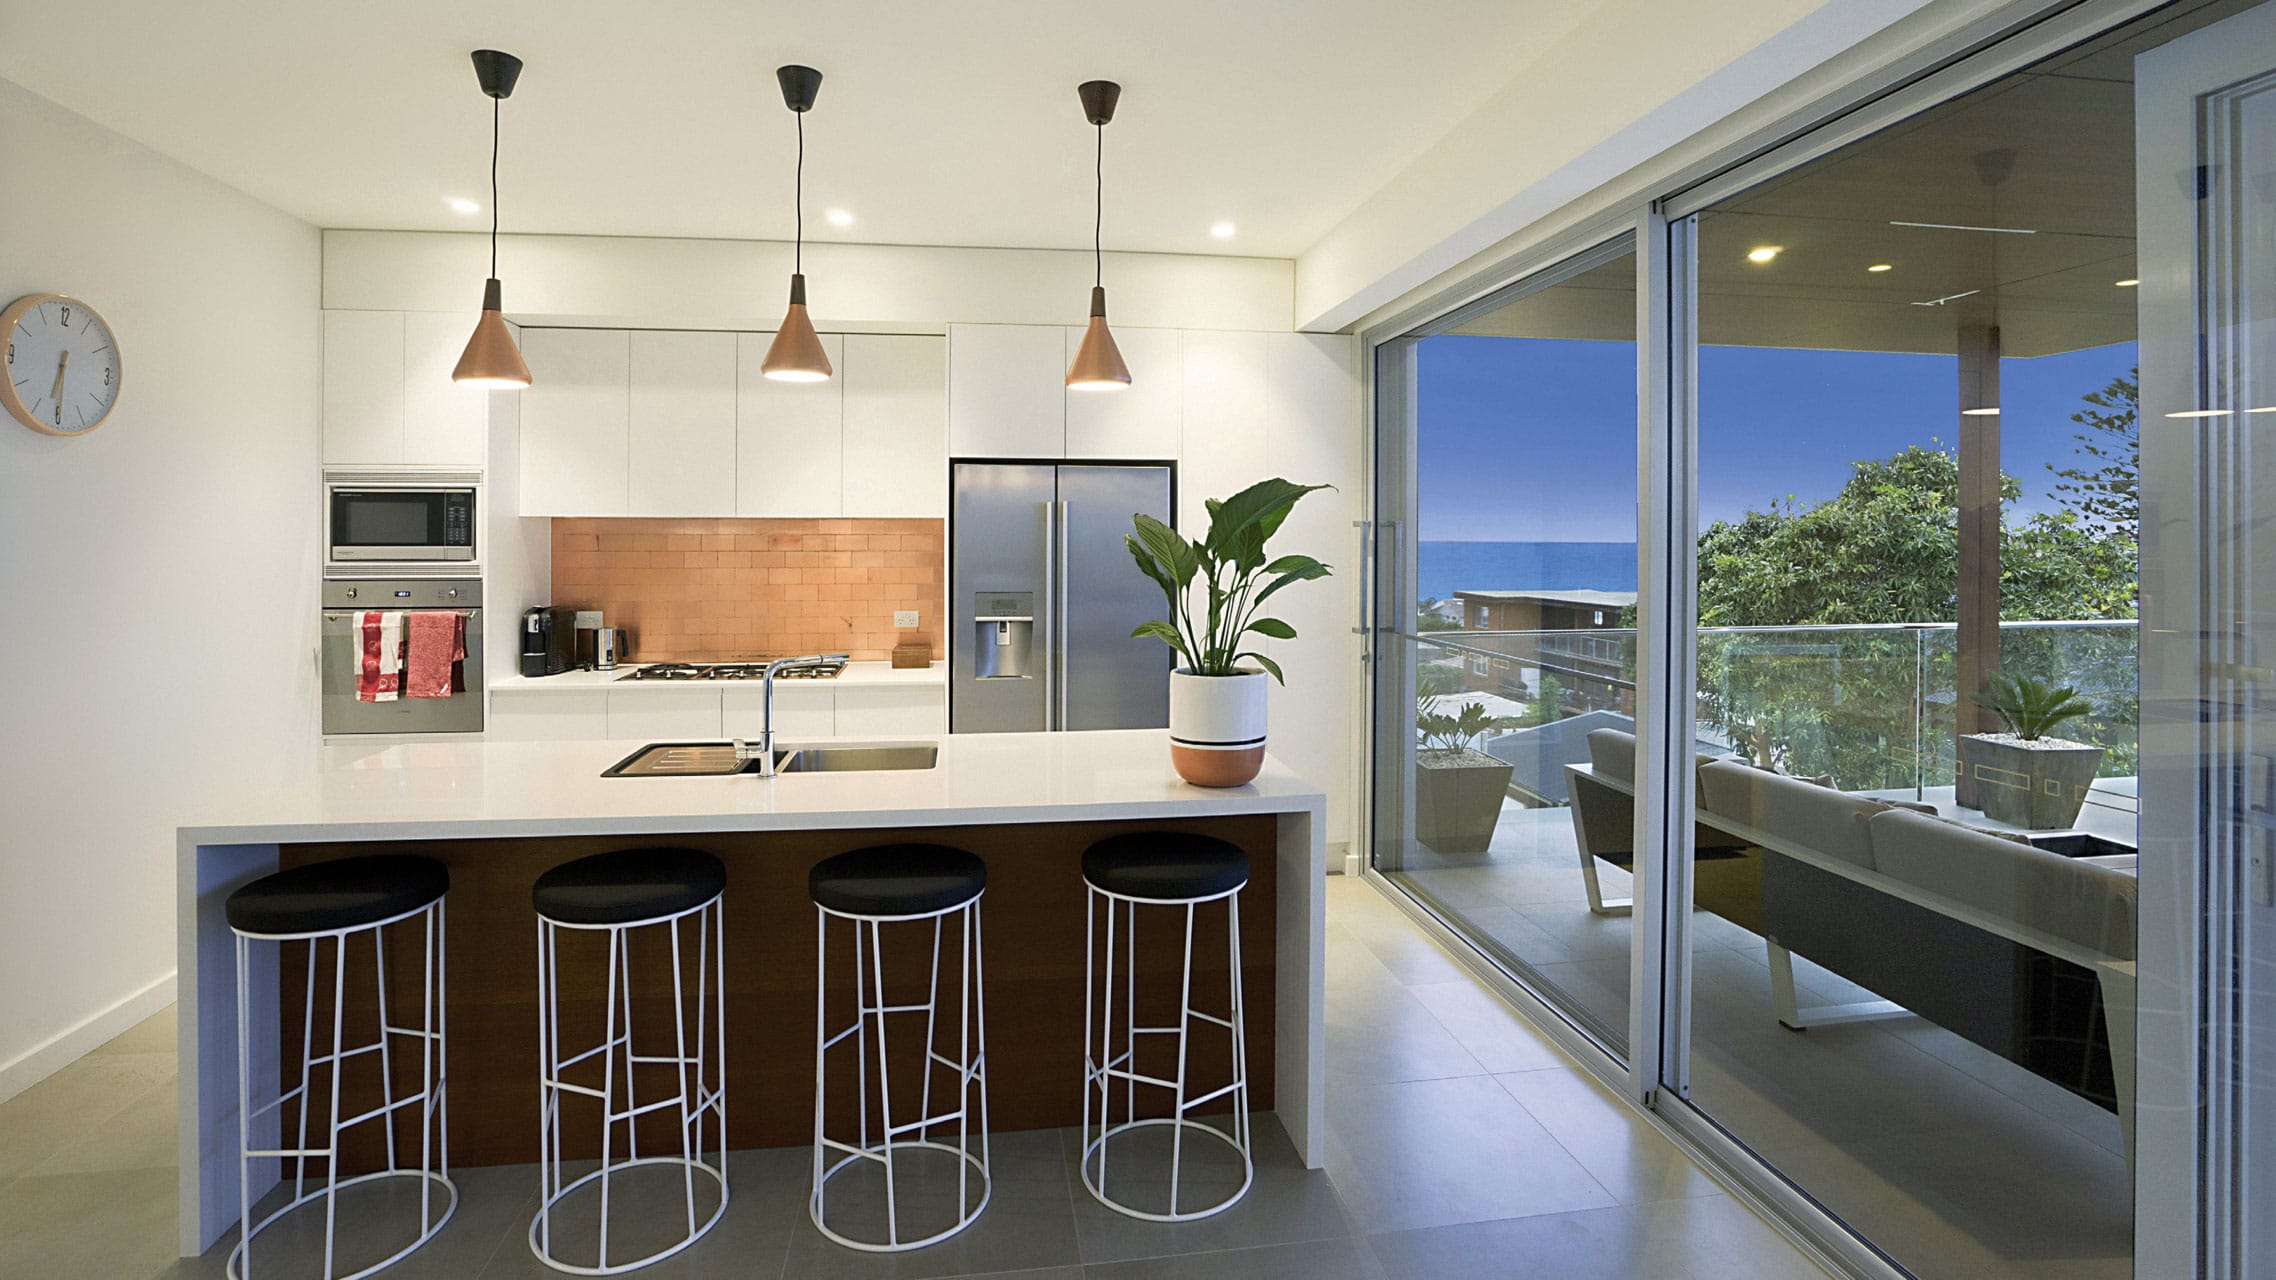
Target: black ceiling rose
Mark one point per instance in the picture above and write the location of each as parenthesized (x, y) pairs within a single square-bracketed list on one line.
[(1099, 97), (497, 72), (800, 86)]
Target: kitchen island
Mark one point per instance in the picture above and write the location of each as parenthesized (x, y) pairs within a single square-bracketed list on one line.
[(498, 812)]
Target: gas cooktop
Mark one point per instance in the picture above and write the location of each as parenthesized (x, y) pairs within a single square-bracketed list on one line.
[(733, 671)]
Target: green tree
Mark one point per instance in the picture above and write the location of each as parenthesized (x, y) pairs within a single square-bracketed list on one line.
[(2104, 486)]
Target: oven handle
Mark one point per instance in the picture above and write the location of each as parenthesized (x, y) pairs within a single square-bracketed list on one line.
[(343, 615)]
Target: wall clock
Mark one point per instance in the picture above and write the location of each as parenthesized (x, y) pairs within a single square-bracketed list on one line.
[(63, 364)]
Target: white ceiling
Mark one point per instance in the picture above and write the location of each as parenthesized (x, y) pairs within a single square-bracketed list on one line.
[(938, 123)]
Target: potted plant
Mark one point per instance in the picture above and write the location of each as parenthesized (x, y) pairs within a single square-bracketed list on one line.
[(1458, 788), (2023, 777), (1217, 704)]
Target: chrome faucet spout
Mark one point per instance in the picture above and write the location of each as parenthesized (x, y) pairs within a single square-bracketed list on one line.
[(766, 706)]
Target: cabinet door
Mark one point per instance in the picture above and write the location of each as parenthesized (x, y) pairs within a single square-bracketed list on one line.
[(802, 710), (896, 445), (682, 409), (892, 710), (363, 386), (789, 436), (1225, 447), (1007, 387), (443, 422), (576, 426), (532, 715), (1139, 422), (654, 715)]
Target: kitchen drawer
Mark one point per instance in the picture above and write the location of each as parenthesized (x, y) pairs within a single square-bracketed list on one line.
[(873, 710), (547, 716), (802, 709), (655, 714)]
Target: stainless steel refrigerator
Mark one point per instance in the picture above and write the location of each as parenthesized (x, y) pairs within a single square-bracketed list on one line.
[(1043, 595)]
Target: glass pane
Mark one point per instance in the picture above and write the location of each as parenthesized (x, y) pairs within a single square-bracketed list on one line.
[(1518, 635), (1918, 672)]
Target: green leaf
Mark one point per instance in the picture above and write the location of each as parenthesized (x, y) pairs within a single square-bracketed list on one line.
[(1164, 632), (1271, 667), (1152, 568), (1173, 552), (1260, 507), (1273, 627)]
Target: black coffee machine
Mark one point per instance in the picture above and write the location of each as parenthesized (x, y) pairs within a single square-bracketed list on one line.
[(546, 636)]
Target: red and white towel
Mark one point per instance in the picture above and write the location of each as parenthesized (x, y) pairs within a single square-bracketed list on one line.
[(379, 673), (434, 646)]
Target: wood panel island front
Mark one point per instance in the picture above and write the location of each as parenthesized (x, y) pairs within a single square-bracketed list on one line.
[(499, 813)]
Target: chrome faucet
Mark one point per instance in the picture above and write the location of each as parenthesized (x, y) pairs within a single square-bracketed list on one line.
[(766, 712)]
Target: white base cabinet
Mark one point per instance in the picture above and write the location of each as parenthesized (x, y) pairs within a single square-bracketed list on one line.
[(884, 711), (656, 715), (800, 711), (531, 716), (803, 710)]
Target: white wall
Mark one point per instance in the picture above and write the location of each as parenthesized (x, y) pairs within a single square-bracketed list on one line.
[(158, 574), (635, 282)]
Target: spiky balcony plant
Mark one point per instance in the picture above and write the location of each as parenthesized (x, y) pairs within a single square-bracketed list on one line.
[(2030, 706)]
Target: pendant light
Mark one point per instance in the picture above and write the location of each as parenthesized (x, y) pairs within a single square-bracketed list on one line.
[(491, 358), (796, 354), (1098, 362)]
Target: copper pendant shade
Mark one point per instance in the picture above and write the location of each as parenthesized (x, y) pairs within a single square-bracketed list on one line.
[(1098, 362), (491, 359), (796, 354)]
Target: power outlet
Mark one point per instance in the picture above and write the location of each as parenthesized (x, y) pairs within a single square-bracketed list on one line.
[(905, 619)]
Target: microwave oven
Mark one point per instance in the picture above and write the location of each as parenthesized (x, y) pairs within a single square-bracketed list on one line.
[(393, 520)]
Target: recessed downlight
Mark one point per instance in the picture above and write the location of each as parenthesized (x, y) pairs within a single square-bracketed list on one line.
[(1763, 253), (2128, 284), (840, 217), (1222, 230), (460, 204), (1879, 267)]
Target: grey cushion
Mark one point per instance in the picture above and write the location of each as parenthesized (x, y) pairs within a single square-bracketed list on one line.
[(1613, 753), (2079, 901), (1791, 811)]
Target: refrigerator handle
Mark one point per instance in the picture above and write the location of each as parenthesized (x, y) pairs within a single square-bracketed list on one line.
[(1059, 619), (1050, 618)]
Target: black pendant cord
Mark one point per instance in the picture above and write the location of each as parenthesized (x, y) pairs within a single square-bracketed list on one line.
[(1098, 215), (798, 202), (494, 105)]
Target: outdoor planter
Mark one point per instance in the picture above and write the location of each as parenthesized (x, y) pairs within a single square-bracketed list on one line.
[(2038, 784), (1458, 798), (1217, 727)]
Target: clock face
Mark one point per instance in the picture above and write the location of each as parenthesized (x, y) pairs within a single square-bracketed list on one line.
[(62, 367)]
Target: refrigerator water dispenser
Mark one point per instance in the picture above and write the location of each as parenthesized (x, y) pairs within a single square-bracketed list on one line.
[(1003, 634)]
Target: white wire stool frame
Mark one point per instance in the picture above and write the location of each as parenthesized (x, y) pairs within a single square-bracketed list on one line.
[(970, 1066), (705, 1099), (432, 1098), (1098, 1079)]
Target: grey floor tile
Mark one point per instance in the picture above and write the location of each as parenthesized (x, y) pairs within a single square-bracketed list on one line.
[(1381, 1034), (1488, 1028), (65, 1108), (1620, 1149), (141, 1135), (94, 1225), (1593, 1244), (1285, 1203), (154, 1034), (1428, 1153), (765, 1189), (1708, 1237), (1315, 1260)]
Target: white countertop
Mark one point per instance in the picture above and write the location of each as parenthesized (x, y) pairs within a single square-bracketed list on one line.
[(614, 681), (437, 790)]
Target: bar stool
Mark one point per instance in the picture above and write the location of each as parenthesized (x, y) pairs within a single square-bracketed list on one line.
[(890, 884), (614, 893), (1173, 869), (335, 900)]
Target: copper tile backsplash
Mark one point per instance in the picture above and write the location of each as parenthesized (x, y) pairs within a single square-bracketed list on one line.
[(716, 590)]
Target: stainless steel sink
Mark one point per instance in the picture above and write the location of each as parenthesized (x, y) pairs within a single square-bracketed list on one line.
[(857, 757)]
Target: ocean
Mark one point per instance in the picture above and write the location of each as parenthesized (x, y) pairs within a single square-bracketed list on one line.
[(1447, 567)]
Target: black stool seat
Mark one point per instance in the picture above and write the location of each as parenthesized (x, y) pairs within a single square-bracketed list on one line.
[(1165, 866), (348, 894), (624, 886), (897, 880)]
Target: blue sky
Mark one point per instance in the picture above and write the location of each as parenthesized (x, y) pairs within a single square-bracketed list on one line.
[(1535, 439)]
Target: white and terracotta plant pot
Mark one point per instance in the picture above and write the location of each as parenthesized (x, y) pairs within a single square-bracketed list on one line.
[(1217, 727)]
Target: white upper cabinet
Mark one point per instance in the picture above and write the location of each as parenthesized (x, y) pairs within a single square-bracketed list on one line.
[(1225, 436), (363, 386), (1007, 391), (682, 409), (1139, 422), (896, 425), (576, 429), (443, 422), (388, 397), (789, 436)]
